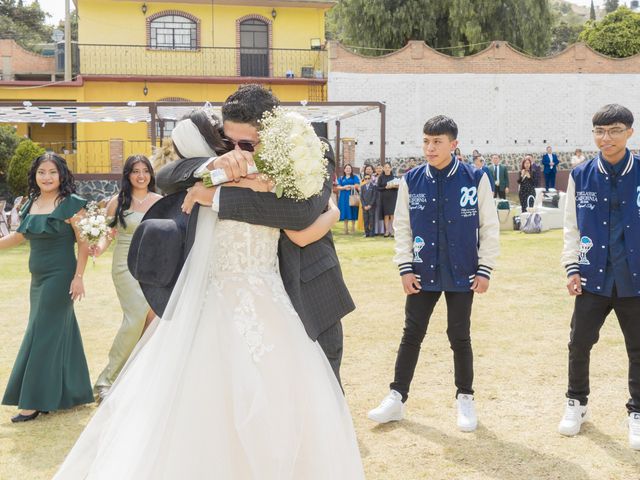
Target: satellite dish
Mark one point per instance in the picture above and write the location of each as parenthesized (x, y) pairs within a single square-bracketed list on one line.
[(57, 36)]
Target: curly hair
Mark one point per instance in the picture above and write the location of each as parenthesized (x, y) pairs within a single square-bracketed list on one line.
[(67, 182)]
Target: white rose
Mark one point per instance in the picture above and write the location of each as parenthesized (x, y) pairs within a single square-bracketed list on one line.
[(95, 232), (100, 218), (309, 185)]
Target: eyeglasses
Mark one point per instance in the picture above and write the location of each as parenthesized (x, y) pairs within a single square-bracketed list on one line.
[(245, 145), (614, 133)]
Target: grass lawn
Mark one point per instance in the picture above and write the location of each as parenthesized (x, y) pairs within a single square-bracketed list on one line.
[(520, 331)]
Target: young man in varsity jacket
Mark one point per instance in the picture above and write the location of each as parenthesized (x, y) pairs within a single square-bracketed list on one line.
[(602, 257), (447, 240)]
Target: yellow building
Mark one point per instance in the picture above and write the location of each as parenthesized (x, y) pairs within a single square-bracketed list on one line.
[(192, 50)]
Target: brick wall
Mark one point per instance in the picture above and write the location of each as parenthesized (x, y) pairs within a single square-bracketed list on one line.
[(505, 102), (17, 60), (499, 57)]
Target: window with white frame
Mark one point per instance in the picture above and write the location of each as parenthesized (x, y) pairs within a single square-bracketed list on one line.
[(173, 32)]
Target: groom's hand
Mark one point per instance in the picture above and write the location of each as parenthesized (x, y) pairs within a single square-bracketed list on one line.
[(234, 163), (198, 194)]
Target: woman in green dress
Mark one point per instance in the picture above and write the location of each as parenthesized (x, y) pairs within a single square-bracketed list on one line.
[(136, 196), (50, 372)]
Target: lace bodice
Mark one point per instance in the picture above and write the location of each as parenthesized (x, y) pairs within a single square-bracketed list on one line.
[(245, 248)]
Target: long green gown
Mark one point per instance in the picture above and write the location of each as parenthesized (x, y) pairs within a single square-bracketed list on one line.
[(134, 306), (50, 372)]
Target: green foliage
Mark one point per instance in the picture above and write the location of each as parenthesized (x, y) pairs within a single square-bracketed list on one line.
[(24, 23), (611, 5), (466, 24), (616, 35), (563, 35), (74, 25), (592, 12), (9, 140), (19, 166)]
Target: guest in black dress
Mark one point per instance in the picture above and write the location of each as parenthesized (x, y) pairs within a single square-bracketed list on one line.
[(388, 196), (527, 181)]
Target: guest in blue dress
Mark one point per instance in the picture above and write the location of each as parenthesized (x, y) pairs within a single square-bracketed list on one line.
[(347, 184)]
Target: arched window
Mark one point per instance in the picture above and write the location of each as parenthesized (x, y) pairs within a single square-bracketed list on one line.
[(173, 32)]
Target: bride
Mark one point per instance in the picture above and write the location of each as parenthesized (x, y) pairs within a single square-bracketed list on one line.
[(227, 385)]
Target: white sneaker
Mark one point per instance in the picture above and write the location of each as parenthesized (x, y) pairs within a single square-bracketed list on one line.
[(634, 430), (467, 418), (573, 418), (391, 409)]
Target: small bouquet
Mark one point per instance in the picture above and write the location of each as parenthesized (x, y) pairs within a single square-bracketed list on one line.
[(93, 227), (394, 183), (290, 154)]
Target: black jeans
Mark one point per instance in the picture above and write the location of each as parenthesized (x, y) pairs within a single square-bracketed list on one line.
[(499, 193), (588, 317), (368, 217), (418, 310)]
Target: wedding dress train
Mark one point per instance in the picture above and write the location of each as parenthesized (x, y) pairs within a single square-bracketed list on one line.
[(228, 385)]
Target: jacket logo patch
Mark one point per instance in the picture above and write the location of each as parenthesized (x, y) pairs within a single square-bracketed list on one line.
[(468, 196), (418, 244), (417, 201), (586, 200), (585, 245)]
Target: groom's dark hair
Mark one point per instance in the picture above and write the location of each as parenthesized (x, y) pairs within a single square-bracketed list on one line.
[(248, 104)]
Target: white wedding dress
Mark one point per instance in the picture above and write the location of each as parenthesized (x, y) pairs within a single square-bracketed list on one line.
[(228, 386)]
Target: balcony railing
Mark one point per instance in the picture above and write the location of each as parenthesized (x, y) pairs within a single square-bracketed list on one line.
[(141, 60)]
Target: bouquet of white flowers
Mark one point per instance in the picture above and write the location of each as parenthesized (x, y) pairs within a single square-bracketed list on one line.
[(290, 154), (93, 227)]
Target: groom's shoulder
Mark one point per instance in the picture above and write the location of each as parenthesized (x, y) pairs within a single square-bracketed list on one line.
[(183, 168)]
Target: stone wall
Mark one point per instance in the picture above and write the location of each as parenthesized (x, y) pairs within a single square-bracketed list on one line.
[(97, 190)]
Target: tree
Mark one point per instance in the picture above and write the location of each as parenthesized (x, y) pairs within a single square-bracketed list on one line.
[(9, 140), (24, 23), (73, 17), (592, 12), (616, 35), (610, 5), (19, 166), (563, 35), (459, 26)]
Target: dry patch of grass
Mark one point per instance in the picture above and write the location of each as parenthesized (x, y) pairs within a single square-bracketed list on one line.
[(520, 331)]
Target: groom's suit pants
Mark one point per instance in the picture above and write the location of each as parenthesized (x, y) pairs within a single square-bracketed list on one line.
[(331, 342)]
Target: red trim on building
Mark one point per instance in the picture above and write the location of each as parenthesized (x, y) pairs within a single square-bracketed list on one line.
[(40, 83), (211, 80)]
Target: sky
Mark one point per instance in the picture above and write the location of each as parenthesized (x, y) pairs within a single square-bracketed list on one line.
[(56, 7)]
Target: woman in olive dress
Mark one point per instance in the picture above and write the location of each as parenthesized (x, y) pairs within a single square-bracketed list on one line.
[(136, 196), (50, 372)]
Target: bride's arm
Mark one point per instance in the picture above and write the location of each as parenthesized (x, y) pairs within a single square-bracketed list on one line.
[(317, 229)]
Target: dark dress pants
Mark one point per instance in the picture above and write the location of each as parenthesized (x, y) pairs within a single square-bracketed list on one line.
[(550, 180), (368, 217), (588, 317), (331, 341), (418, 310)]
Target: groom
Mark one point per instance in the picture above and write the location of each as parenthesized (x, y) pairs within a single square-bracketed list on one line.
[(311, 275)]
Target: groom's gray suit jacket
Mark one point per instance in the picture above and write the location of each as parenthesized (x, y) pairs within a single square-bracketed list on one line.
[(311, 275)]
